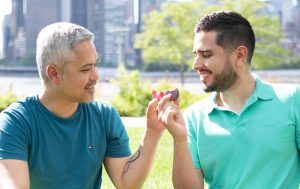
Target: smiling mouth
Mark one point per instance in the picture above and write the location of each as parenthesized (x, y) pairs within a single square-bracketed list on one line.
[(90, 88), (204, 74)]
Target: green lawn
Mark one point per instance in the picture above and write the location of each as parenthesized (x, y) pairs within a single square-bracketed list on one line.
[(161, 173)]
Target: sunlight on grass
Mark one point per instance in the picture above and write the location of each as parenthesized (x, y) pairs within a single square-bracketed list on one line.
[(161, 173)]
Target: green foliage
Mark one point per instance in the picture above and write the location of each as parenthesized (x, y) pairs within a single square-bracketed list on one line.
[(6, 100), (168, 35), (134, 94), (293, 62), (268, 52)]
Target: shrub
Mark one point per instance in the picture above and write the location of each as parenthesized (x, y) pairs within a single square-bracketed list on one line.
[(6, 100), (134, 94)]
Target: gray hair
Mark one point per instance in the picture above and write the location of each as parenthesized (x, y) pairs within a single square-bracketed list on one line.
[(55, 43)]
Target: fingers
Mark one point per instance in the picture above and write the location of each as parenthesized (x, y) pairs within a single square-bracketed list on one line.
[(168, 115), (167, 111), (152, 106), (163, 101)]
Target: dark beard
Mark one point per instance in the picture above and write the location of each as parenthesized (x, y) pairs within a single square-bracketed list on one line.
[(223, 80)]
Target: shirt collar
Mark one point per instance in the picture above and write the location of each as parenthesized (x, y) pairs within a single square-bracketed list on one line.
[(262, 91)]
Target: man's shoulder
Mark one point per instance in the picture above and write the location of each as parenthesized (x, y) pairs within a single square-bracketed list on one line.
[(21, 104), (19, 113)]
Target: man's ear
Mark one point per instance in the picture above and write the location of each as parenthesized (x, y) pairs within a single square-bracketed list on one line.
[(52, 73), (241, 55)]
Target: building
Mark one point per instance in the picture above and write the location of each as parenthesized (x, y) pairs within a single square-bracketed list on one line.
[(38, 14), (14, 45), (95, 23)]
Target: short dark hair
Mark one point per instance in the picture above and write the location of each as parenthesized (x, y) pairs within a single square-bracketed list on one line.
[(232, 30)]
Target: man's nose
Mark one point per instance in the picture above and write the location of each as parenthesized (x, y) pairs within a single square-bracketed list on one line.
[(95, 74), (197, 63)]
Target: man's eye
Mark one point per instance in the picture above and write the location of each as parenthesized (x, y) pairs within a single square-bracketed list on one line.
[(85, 70), (206, 55)]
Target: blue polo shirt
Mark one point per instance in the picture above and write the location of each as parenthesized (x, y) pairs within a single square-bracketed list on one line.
[(62, 153), (259, 148)]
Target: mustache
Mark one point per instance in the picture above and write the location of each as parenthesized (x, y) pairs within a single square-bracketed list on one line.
[(204, 70), (91, 84)]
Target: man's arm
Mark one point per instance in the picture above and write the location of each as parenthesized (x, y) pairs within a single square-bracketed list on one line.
[(185, 175), (131, 172), (14, 174)]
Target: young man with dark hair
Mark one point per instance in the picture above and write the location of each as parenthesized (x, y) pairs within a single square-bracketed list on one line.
[(247, 133)]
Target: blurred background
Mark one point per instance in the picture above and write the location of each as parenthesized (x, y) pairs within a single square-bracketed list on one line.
[(115, 24), (154, 37)]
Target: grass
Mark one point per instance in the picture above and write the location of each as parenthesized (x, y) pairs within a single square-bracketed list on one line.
[(161, 173)]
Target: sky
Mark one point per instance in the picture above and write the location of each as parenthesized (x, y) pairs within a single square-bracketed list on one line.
[(5, 8)]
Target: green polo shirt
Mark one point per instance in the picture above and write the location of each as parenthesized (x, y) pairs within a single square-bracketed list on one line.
[(259, 148)]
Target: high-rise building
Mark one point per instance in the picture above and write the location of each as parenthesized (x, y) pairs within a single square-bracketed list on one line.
[(89, 14), (95, 23), (38, 14), (65, 11), (8, 38), (14, 44), (79, 12), (115, 29)]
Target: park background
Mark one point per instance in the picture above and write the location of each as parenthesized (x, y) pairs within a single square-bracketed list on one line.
[(144, 45)]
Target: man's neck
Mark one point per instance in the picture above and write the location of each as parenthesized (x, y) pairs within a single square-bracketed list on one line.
[(57, 104), (235, 97)]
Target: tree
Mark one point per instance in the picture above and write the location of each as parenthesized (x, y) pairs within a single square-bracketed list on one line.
[(268, 51), (167, 35)]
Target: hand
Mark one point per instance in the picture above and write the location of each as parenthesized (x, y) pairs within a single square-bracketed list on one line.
[(152, 117), (169, 114)]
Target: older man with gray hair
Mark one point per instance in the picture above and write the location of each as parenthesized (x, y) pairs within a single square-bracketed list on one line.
[(61, 137)]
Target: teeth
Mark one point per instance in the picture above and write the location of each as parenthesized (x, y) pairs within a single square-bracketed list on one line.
[(203, 75)]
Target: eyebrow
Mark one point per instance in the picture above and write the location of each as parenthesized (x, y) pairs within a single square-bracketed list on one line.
[(91, 64), (202, 51)]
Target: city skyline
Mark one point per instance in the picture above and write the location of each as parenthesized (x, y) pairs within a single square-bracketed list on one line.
[(115, 24), (5, 9)]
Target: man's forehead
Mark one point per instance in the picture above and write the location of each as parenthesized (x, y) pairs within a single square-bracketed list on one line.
[(206, 36), (204, 40)]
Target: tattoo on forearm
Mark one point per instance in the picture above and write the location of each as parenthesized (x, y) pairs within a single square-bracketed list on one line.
[(135, 156)]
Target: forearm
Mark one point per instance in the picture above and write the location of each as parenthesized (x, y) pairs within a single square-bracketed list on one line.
[(13, 177), (184, 172), (6, 182), (139, 165)]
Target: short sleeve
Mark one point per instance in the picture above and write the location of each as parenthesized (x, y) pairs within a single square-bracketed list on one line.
[(13, 137), (297, 108), (192, 139), (117, 139)]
